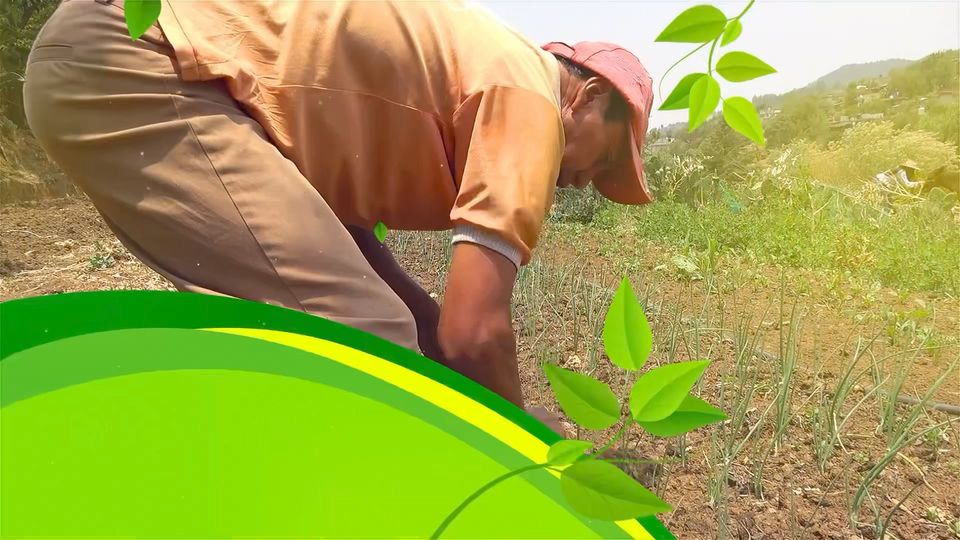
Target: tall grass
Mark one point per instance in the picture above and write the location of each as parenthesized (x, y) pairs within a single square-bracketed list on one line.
[(832, 416), (789, 338), (909, 246), (737, 393), (902, 435)]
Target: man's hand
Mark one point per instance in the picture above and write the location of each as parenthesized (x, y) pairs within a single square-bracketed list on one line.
[(476, 330)]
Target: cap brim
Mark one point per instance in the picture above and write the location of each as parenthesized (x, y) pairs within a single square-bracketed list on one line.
[(626, 183)]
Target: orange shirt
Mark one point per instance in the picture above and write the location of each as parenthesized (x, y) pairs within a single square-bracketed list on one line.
[(423, 114)]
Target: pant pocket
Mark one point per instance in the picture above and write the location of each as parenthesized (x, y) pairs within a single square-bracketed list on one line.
[(50, 52)]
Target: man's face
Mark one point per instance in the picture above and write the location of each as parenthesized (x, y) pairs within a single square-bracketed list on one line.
[(592, 144)]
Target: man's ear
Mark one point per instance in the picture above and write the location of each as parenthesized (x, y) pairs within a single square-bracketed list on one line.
[(596, 88)]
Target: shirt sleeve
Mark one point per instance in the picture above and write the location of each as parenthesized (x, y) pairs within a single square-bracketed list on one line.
[(469, 233), (509, 142)]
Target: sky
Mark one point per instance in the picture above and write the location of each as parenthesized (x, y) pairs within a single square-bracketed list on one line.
[(802, 39)]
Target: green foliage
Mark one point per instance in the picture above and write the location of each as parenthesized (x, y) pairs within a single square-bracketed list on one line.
[(868, 149), (567, 451), (679, 98), (741, 116), (20, 22), (659, 392), (707, 25), (626, 332), (731, 32), (938, 71), (140, 15), (682, 178), (801, 117), (101, 258), (788, 220), (573, 205), (380, 231), (704, 97), (738, 66), (942, 119), (601, 491), (586, 401), (695, 25), (692, 413)]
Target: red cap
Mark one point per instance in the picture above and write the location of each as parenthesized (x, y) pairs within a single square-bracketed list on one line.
[(626, 183)]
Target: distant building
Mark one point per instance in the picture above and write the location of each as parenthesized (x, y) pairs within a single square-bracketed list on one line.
[(841, 125), (661, 143), (947, 96)]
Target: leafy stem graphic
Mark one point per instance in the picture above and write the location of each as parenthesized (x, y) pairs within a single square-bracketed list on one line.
[(660, 403), (700, 92), (616, 437), (456, 511)]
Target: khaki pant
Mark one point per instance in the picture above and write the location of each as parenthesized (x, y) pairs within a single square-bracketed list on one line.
[(188, 182)]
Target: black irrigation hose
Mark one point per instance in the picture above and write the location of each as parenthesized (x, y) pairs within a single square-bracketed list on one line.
[(935, 405)]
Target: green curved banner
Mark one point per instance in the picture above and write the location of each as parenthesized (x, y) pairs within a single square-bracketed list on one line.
[(176, 415)]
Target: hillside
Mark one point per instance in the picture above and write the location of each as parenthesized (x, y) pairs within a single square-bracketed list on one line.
[(849, 73), (918, 95), (836, 80)]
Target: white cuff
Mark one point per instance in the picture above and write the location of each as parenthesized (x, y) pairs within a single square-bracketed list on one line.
[(469, 233)]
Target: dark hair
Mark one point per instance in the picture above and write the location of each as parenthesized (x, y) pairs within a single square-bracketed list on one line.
[(617, 110)]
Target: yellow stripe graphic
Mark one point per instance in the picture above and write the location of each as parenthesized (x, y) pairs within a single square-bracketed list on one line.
[(427, 389)]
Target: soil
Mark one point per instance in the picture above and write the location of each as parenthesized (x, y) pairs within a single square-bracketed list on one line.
[(61, 245)]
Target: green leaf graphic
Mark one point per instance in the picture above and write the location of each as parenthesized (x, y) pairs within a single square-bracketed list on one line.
[(140, 15), (587, 401), (739, 66), (693, 413), (695, 25), (740, 115), (704, 97), (626, 333), (601, 491), (567, 451), (660, 391), (380, 231), (679, 98), (731, 32)]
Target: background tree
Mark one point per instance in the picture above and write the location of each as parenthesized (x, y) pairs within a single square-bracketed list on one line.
[(20, 22)]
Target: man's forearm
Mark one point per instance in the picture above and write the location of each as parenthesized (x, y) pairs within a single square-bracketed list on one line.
[(426, 311)]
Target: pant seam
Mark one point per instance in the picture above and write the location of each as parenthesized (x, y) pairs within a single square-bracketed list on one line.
[(206, 154)]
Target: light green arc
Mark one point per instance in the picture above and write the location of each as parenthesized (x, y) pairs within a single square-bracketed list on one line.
[(132, 436)]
